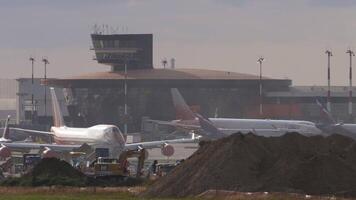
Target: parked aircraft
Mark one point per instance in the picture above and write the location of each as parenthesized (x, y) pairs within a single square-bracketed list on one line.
[(6, 145), (98, 136), (227, 126)]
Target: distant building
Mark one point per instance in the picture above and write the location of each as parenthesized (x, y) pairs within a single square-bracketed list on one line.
[(99, 97), (300, 102), (8, 88)]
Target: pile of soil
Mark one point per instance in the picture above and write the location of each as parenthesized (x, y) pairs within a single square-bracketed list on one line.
[(248, 163), (52, 171)]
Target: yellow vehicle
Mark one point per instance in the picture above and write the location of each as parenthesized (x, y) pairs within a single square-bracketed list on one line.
[(110, 167)]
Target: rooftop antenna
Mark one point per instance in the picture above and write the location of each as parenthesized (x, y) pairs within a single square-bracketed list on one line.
[(96, 29), (164, 63)]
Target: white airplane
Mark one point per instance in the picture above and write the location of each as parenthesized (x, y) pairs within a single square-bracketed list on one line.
[(99, 136), (227, 126), (6, 145)]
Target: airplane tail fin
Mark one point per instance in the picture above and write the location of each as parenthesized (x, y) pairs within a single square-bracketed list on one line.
[(209, 128), (326, 115), (182, 109), (57, 114), (6, 133)]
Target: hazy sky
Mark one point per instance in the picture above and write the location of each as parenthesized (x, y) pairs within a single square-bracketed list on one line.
[(292, 35)]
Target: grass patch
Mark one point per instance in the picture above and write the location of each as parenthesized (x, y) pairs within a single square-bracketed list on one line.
[(81, 196)]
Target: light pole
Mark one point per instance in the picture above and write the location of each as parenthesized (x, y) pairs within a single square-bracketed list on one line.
[(125, 94), (45, 61), (351, 53), (329, 54), (32, 59), (260, 60)]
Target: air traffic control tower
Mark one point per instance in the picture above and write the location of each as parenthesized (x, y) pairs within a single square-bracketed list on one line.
[(134, 50)]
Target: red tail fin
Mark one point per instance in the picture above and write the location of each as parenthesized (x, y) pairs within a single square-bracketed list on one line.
[(182, 109)]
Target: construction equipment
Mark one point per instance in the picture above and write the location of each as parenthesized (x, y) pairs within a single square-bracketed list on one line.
[(110, 167)]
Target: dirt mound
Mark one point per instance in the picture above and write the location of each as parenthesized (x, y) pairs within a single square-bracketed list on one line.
[(52, 171), (291, 163)]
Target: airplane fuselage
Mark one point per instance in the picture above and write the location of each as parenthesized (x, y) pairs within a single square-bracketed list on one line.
[(262, 127), (265, 127), (99, 136)]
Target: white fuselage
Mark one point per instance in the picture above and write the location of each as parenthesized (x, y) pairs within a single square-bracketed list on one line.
[(262, 127), (265, 127), (99, 136), (349, 127)]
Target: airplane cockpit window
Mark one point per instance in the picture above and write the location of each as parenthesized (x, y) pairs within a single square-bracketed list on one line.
[(117, 135), (115, 130)]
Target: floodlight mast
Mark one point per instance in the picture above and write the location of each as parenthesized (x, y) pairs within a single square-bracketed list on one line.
[(329, 54), (351, 54), (260, 60), (45, 61), (125, 94), (32, 60)]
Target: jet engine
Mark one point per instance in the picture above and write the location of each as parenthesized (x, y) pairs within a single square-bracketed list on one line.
[(49, 153), (5, 151), (167, 150)]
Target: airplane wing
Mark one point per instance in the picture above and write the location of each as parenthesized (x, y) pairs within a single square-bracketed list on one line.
[(175, 124), (158, 144), (32, 131), (55, 147), (160, 122)]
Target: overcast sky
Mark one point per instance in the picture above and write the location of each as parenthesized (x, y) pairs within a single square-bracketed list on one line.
[(230, 35)]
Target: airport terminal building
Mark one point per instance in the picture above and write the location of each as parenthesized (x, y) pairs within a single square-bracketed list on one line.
[(99, 97)]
